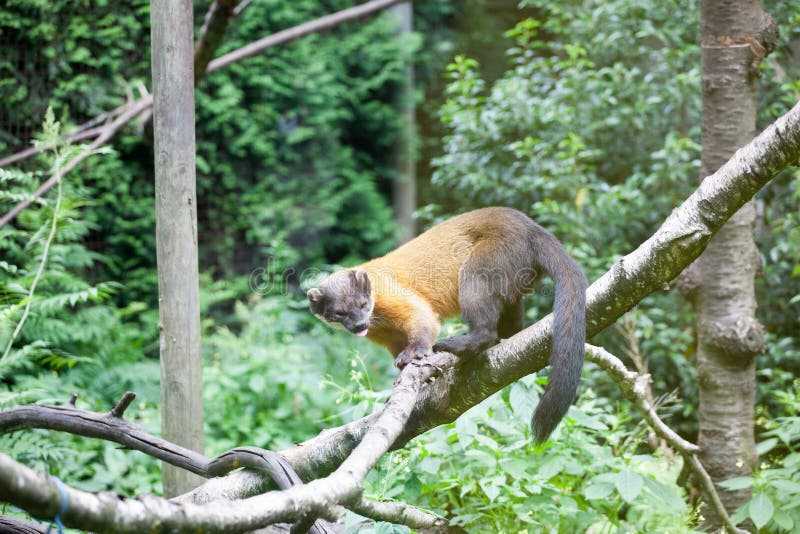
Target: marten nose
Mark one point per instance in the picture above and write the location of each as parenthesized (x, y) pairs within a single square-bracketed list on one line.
[(360, 326)]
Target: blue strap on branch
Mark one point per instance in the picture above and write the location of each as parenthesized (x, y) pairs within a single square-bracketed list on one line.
[(64, 501)]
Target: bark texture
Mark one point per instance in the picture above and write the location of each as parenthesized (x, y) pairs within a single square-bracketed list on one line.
[(404, 187), (735, 37), (176, 233)]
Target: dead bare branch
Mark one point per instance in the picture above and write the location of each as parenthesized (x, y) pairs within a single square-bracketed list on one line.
[(318, 25)]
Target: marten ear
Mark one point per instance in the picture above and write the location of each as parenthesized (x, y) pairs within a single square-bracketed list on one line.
[(315, 298), (362, 281)]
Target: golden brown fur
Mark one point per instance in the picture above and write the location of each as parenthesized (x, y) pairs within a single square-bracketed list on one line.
[(478, 264)]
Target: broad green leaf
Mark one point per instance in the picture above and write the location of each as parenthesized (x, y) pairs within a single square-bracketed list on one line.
[(783, 520), (740, 514), (522, 400), (551, 468), (430, 464), (389, 528), (466, 428), (257, 383), (598, 491), (491, 487), (628, 484), (785, 486), (761, 510), (482, 457), (766, 446), (736, 483), (663, 494)]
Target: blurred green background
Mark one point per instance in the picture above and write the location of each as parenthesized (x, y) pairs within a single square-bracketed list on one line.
[(583, 114)]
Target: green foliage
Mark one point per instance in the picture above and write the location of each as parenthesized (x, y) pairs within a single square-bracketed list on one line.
[(79, 57), (281, 376), (292, 143), (589, 127), (484, 472), (295, 146), (775, 506), (51, 315), (590, 119), (73, 338), (778, 230), (592, 131)]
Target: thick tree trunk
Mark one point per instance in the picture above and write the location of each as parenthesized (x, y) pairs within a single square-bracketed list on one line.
[(176, 233), (405, 182), (729, 335)]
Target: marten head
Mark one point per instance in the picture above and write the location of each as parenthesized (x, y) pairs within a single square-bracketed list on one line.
[(345, 299)]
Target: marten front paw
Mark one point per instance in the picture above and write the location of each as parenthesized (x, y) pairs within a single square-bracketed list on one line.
[(465, 344), (412, 352), (454, 345)]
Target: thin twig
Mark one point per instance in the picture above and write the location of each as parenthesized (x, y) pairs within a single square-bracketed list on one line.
[(119, 408), (397, 512), (633, 386)]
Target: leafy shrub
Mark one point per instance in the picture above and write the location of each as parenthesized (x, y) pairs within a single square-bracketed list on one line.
[(775, 506), (484, 472)]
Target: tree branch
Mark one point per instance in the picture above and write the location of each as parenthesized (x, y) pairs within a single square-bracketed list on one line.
[(39, 495), (111, 427), (675, 245), (657, 261), (321, 24), (397, 512), (20, 526), (218, 18)]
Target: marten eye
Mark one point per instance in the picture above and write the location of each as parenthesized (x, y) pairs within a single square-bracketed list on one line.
[(364, 305), (339, 314)]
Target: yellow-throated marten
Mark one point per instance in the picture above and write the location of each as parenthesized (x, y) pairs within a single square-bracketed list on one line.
[(479, 264)]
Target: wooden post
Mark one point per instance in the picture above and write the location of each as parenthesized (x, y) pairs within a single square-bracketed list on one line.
[(176, 233), (404, 190)]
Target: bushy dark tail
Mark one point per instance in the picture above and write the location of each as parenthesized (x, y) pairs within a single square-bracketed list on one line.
[(569, 334)]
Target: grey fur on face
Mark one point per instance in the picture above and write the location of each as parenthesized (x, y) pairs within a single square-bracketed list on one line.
[(344, 299)]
